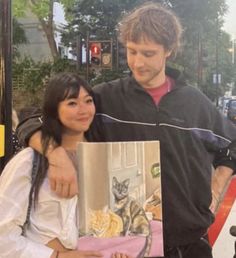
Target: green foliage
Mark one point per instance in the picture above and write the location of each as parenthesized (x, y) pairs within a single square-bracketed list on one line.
[(105, 76), (34, 74), (202, 23), (43, 9), (31, 73), (98, 18), (30, 78), (19, 37), (18, 7), (156, 170), (62, 65)]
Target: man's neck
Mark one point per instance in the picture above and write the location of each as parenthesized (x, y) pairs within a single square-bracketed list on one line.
[(158, 92), (156, 82)]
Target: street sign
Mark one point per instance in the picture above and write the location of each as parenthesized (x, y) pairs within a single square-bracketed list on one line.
[(217, 78), (2, 140)]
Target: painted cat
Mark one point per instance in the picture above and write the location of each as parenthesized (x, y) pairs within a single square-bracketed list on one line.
[(104, 223), (133, 215)]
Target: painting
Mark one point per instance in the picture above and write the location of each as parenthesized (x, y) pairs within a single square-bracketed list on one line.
[(120, 200)]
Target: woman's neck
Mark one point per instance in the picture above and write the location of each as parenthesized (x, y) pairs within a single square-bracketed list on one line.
[(69, 142)]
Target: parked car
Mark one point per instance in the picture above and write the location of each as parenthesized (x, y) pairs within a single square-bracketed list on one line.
[(223, 105), (231, 106)]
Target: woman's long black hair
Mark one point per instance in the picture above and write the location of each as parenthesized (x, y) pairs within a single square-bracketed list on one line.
[(62, 86)]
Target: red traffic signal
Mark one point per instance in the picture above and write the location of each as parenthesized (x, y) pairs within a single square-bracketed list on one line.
[(95, 49), (95, 54)]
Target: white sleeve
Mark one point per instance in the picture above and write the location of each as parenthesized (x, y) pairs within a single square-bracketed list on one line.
[(15, 183)]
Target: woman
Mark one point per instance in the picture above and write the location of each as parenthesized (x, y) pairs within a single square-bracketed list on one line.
[(52, 232)]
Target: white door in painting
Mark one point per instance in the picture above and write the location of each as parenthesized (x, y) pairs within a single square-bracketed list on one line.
[(126, 160)]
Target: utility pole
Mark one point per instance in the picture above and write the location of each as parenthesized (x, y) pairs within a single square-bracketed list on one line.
[(233, 50), (5, 82), (78, 52), (87, 56), (199, 68), (233, 61), (217, 59)]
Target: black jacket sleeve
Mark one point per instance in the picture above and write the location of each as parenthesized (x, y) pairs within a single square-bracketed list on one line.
[(28, 127), (226, 156)]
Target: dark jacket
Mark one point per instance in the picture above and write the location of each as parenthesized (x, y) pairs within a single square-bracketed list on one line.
[(192, 135)]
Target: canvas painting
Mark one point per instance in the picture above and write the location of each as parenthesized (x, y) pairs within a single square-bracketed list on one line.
[(120, 202)]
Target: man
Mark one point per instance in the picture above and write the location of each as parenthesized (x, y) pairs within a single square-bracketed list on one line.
[(155, 103)]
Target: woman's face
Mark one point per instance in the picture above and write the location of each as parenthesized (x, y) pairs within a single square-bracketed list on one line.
[(76, 114)]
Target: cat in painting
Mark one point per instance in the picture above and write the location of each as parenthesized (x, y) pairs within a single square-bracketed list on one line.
[(104, 223), (133, 215)]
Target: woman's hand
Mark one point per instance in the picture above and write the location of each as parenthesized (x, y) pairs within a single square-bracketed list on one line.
[(120, 255), (76, 254), (55, 244), (86, 254)]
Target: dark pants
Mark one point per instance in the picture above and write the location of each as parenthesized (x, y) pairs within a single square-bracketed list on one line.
[(198, 249)]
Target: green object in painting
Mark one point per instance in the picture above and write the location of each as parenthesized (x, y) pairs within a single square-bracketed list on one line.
[(156, 170)]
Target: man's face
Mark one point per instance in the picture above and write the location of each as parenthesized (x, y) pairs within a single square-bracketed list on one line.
[(147, 62)]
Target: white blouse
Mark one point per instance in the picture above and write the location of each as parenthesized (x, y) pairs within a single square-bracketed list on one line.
[(53, 217)]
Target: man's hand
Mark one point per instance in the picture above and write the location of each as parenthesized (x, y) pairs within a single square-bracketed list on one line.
[(62, 174)]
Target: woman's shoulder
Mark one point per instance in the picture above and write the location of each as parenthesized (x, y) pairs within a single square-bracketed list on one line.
[(25, 154), (21, 162), (15, 180)]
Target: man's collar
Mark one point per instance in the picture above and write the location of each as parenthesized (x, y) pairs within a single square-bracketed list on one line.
[(173, 73)]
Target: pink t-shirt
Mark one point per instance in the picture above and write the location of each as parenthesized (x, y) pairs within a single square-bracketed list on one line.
[(158, 92)]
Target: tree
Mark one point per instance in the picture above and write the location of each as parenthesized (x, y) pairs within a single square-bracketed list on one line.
[(202, 23), (100, 17), (201, 20), (19, 37), (43, 9)]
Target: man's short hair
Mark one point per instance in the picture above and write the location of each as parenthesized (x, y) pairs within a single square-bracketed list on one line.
[(153, 22)]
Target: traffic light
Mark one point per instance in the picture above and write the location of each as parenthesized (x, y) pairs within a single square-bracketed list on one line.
[(101, 54), (106, 54), (95, 54)]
